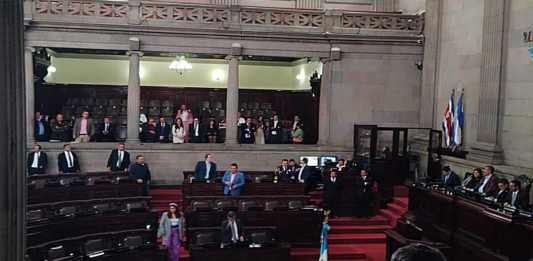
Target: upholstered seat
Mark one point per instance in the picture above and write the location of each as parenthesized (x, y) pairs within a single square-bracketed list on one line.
[(200, 206), (249, 205), (295, 204), (261, 237), (205, 239)]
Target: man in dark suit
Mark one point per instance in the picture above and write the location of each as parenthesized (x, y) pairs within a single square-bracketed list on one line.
[(105, 131), (283, 171), (140, 172), (331, 192), (205, 169), (449, 178), (67, 161), (275, 131), (163, 130), (231, 230), (304, 175), (515, 197), (37, 161), (247, 132), (196, 132), (119, 159), (41, 129), (489, 183), (364, 194), (503, 191)]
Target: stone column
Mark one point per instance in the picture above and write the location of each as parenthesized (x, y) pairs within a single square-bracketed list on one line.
[(12, 135), (232, 99), (30, 93), (428, 99), (384, 5), (324, 110), (486, 148), (134, 96)]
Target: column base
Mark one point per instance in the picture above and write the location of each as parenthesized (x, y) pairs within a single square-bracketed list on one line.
[(486, 153), (137, 141), (229, 141)]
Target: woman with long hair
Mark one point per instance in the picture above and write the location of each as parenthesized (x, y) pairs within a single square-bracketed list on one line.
[(178, 131), (172, 231)]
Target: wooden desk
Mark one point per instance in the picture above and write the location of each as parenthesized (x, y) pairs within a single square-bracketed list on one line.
[(279, 252), (266, 188)]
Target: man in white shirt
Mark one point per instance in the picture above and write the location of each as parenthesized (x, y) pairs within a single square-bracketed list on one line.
[(331, 192), (119, 159), (67, 161), (205, 169), (232, 230), (196, 132), (37, 161), (515, 196)]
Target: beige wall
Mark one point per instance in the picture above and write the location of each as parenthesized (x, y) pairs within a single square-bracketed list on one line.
[(410, 6), (517, 134), (381, 89), (460, 60)]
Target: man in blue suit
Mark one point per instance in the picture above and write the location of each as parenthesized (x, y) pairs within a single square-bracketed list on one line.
[(233, 181), (205, 169)]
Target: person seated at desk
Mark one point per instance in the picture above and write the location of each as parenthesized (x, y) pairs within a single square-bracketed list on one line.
[(515, 197), (503, 190), (449, 178), (331, 192), (67, 161), (231, 230), (140, 172), (37, 161), (417, 252), (471, 181), (284, 172), (233, 181), (489, 183), (119, 159), (205, 169), (364, 194)]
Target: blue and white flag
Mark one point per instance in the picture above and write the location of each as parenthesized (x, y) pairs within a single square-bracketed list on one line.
[(530, 50), (324, 243), (459, 121)]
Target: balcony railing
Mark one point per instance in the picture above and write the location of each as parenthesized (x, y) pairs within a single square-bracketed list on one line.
[(178, 15)]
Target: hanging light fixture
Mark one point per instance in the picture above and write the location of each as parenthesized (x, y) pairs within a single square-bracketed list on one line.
[(180, 65)]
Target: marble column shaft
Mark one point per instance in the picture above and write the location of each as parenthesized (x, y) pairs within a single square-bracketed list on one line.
[(324, 111), (232, 99), (134, 96), (12, 135), (30, 93)]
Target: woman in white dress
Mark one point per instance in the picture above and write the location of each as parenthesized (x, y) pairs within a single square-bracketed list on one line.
[(178, 132)]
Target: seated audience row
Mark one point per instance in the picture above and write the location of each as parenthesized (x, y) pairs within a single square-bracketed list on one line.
[(487, 184)]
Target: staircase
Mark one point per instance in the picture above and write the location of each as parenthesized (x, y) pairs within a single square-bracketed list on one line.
[(349, 238)]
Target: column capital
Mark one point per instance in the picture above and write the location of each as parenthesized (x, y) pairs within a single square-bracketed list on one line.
[(231, 57), (138, 53), (335, 53)]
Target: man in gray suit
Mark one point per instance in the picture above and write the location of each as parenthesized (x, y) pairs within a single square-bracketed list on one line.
[(83, 128)]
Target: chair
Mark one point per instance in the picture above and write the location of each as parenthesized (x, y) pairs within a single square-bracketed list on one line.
[(58, 254), (271, 205), (200, 206), (295, 205), (205, 239), (102, 208), (68, 211), (249, 205), (94, 247), (133, 242), (262, 238), (136, 207), (34, 215), (225, 205)]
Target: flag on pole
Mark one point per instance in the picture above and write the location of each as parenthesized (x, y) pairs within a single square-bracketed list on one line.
[(447, 122), (459, 121), (324, 242)]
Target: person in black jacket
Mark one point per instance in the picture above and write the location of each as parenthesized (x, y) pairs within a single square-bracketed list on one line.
[(37, 161), (247, 132), (196, 132), (41, 129), (105, 132), (516, 197), (304, 175), (119, 159), (331, 192), (163, 131), (364, 194), (140, 172), (231, 230), (67, 161), (449, 178), (274, 131), (503, 191)]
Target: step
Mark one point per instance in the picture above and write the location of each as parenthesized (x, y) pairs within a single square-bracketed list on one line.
[(401, 191), (390, 215), (359, 229), (335, 252), (357, 238), (396, 208), (401, 201), (351, 221)]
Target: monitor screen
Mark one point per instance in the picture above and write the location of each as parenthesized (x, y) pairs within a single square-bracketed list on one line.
[(312, 161), (325, 158)]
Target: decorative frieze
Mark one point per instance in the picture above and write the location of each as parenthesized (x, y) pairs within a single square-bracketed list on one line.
[(383, 22)]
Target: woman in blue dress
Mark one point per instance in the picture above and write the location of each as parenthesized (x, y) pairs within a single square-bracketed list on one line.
[(324, 238)]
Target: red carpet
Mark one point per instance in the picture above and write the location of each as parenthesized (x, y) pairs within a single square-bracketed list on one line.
[(349, 239)]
